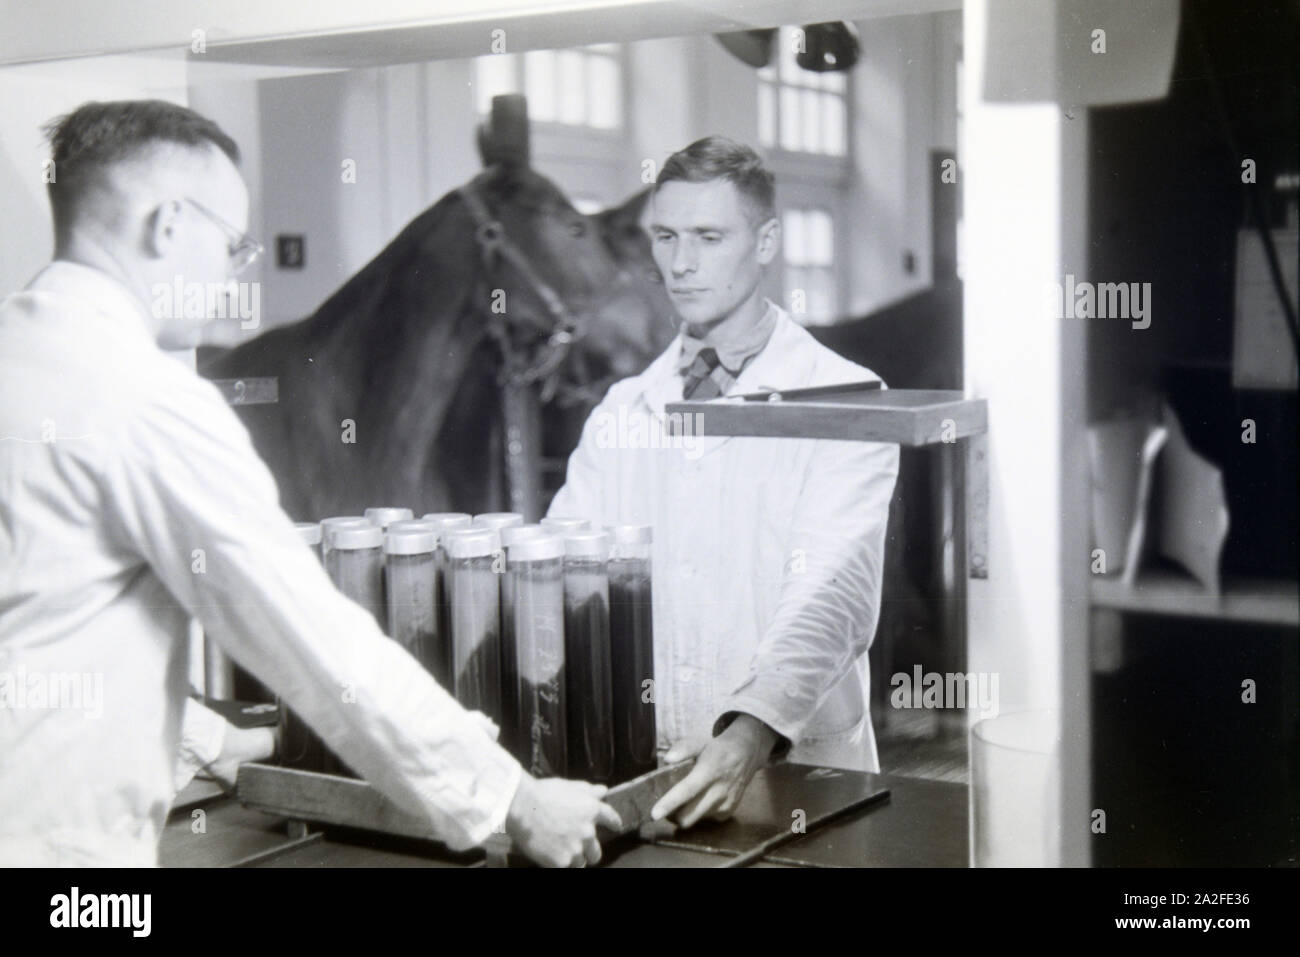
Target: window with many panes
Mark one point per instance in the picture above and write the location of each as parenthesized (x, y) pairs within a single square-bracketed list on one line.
[(582, 87), (799, 110), (803, 123), (808, 248)]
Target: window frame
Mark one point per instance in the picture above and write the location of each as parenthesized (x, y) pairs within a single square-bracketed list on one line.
[(813, 180), (578, 153)]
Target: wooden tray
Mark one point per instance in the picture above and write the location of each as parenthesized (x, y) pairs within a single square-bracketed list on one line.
[(308, 797), (910, 417)]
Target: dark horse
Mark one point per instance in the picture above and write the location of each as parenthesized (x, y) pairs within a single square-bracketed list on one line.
[(392, 392)]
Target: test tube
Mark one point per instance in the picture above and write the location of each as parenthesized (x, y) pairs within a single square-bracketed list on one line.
[(299, 746), (327, 526), (411, 588), (354, 562), (383, 517), (509, 673), (631, 650), (444, 522), (473, 600), (589, 709), (536, 567)]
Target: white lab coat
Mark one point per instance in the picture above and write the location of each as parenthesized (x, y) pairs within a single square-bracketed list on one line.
[(130, 500), (768, 554)]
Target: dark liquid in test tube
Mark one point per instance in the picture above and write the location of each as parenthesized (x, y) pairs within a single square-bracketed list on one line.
[(440, 656), (355, 562), (587, 674), (510, 738), (412, 616), (632, 667)]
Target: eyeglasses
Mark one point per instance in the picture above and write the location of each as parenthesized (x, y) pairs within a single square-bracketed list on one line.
[(243, 249)]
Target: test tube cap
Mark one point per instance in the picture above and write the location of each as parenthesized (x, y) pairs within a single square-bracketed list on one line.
[(408, 538), (310, 532), (587, 545), (630, 534), (350, 537), (536, 548), (470, 542)]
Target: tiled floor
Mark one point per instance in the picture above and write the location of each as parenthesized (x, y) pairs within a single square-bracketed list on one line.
[(918, 744)]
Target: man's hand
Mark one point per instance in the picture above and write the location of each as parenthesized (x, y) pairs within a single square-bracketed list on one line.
[(554, 821), (240, 745), (721, 773)]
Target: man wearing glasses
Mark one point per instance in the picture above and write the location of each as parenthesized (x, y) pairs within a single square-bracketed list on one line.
[(131, 499)]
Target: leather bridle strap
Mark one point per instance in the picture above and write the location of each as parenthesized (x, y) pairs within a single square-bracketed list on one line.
[(493, 243)]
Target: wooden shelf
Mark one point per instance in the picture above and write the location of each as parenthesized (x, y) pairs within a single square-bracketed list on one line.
[(910, 417), (1250, 600)]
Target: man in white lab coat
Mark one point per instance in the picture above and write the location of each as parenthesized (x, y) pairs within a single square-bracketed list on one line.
[(131, 499), (768, 553)]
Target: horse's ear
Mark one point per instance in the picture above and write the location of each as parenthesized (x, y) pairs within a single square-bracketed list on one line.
[(503, 139), (624, 217)]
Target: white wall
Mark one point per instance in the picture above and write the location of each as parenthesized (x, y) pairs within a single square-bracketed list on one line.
[(1025, 208), (408, 129), (309, 126), (906, 106), (31, 96), (667, 114)]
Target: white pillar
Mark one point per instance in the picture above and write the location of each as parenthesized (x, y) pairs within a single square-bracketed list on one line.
[(1024, 196)]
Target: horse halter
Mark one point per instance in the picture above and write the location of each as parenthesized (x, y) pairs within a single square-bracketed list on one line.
[(566, 329)]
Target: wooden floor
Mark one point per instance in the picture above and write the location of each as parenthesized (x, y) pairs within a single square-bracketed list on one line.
[(918, 744)]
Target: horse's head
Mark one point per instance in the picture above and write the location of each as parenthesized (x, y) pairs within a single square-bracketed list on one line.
[(572, 300), (502, 277)]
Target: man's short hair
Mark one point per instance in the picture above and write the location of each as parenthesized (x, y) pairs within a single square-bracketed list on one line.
[(95, 136), (716, 157)]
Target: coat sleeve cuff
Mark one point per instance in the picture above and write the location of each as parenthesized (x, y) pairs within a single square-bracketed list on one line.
[(494, 821), (743, 704)]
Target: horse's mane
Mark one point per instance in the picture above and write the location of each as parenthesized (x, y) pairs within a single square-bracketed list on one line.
[(363, 294)]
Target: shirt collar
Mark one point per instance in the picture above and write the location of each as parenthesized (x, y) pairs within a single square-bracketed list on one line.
[(107, 295), (780, 363), (734, 344)]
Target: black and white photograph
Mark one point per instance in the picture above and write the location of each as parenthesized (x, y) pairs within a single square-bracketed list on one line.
[(839, 434)]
